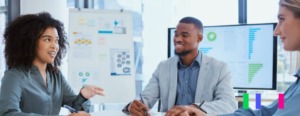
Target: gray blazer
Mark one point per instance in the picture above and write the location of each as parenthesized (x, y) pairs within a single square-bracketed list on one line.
[(213, 86)]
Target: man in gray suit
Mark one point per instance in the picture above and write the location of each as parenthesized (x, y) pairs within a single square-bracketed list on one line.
[(189, 78)]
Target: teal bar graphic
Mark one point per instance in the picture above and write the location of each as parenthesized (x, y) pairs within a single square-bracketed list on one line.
[(105, 32)]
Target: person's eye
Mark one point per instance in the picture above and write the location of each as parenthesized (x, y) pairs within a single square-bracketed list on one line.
[(176, 35), (47, 39), (281, 19), (185, 35), (56, 40)]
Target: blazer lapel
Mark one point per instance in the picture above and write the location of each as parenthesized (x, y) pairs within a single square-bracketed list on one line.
[(173, 82), (202, 78)]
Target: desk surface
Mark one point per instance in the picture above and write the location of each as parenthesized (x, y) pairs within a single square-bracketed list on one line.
[(120, 113)]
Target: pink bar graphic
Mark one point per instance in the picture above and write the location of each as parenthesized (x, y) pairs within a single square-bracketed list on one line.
[(281, 101)]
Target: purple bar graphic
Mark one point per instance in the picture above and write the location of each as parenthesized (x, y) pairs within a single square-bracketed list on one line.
[(281, 101), (258, 100)]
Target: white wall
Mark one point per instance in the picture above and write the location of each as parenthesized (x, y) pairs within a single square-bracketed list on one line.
[(156, 20)]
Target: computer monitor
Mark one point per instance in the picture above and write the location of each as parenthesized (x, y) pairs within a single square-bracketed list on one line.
[(250, 50)]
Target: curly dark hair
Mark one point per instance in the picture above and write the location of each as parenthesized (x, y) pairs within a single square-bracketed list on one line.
[(21, 36)]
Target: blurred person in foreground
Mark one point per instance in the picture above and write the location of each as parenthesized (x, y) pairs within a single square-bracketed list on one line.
[(288, 29)]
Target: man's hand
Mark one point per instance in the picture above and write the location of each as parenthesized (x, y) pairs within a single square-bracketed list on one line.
[(80, 113), (90, 91), (137, 108), (185, 111)]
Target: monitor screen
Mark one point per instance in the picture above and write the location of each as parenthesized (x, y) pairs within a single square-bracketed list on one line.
[(250, 50)]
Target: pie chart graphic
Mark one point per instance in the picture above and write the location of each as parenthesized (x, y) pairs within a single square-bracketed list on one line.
[(211, 36)]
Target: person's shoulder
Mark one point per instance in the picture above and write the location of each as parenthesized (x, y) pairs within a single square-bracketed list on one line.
[(16, 73), (165, 64), (170, 60), (213, 61)]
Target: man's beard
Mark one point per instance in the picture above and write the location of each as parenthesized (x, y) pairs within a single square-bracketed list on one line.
[(183, 53)]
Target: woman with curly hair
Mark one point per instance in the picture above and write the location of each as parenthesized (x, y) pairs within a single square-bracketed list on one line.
[(33, 85)]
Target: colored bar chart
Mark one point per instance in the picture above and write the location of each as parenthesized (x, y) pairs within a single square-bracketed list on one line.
[(258, 100), (246, 101), (252, 70), (252, 32)]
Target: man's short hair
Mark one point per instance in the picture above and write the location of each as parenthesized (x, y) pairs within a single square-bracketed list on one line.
[(192, 20)]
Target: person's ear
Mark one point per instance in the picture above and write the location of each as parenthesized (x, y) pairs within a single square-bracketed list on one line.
[(200, 37)]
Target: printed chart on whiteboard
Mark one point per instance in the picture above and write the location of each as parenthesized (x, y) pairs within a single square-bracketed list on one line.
[(120, 64), (101, 53)]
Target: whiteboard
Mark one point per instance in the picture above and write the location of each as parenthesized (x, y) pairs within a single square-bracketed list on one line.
[(101, 53)]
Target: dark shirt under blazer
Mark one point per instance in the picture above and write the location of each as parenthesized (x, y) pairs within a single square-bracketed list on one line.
[(187, 81)]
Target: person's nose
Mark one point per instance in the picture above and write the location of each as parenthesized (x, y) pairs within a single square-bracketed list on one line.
[(177, 39), (276, 30), (54, 45)]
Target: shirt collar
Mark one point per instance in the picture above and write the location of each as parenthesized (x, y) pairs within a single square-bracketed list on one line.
[(34, 67), (196, 62)]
